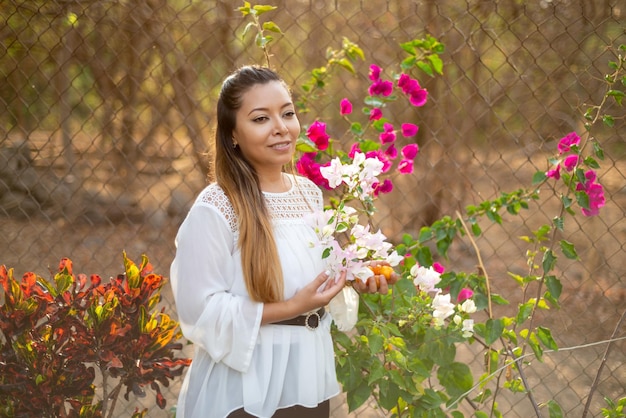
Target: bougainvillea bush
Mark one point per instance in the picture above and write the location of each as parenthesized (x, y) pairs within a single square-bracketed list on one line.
[(403, 350), (66, 342)]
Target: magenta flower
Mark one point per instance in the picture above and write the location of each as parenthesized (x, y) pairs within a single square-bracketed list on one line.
[(375, 72), (345, 107), (438, 268), (356, 147), (418, 97), (408, 84), (308, 167), (464, 294), (317, 134), (569, 140), (388, 135), (391, 151), (555, 173), (405, 166), (409, 130), (410, 151), (594, 191), (376, 114), (570, 162), (385, 187), (381, 88)]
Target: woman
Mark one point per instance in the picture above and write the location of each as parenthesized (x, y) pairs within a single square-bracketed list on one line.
[(248, 286)]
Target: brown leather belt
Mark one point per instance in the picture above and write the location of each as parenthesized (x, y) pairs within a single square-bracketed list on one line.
[(310, 320)]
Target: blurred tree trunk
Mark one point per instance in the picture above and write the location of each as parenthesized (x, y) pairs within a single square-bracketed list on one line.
[(64, 85)]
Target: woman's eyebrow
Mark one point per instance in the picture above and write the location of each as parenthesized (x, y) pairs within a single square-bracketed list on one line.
[(265, 109)]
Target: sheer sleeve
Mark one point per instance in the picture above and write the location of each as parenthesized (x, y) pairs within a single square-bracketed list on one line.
[(224, 324)]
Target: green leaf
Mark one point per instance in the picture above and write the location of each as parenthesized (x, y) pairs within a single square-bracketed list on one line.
[(568, 250), (456, 378), (524, 312), (539, 177), (618, 95), (554, 409), (358, 396), (608, 120), (554, 286), (545, 336), (549, 261), (272, 27), (436, 62), (425, 67), (493, 331), (375, 343), (263, 8), (582, 198)]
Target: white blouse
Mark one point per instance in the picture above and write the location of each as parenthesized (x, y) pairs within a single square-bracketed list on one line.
[(237, 361)]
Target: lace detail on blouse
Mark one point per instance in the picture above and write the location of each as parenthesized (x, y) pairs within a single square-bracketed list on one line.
[(303, 197)]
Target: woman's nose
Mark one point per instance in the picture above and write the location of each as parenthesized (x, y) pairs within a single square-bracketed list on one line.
[(281, 127)]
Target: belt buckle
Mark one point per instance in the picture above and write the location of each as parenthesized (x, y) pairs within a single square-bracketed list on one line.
[(315, 324)]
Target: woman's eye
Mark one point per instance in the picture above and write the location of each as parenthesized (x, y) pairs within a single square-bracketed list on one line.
[(290, 114), (260, 119)]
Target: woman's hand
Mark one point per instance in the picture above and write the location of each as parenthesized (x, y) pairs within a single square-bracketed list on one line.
[(378, 282), (313, 296)]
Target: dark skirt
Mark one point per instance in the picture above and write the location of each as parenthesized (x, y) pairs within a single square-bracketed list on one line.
[(321, 411)]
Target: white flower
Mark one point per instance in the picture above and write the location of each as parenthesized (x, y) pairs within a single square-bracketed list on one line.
[(425, 278), (468, 306), (442, 308), (394, 258), (468, 328), (333, 173)]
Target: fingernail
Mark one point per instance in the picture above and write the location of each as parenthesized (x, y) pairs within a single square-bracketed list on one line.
[(327, 272)]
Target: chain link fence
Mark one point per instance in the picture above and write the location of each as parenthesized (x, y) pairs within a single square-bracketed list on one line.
[(107, 111)]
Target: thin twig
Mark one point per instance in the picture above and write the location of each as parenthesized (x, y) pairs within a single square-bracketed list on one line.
[(480, 263), (596, 380)]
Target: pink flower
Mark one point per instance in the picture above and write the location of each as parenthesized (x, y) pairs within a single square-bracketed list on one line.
[(376, 114), (595, 193), (464, 294), (409, 130), (308, 167), (408, 84), (385, 187), (374, 72), (405, 166), (356, 147), (410, 151), (569, 140), (388, 135), (555, 173), (317, 134), (570, 162), (391, 151), (381, 88), (345, 107), (418, 97), (438, 268)]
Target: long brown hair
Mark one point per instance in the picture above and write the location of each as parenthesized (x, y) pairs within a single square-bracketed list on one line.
[(259, 256)]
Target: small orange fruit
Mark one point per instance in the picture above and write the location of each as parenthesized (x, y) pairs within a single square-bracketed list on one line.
[(386, 271)]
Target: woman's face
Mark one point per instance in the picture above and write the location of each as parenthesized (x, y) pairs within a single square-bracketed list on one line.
[(267, 127)]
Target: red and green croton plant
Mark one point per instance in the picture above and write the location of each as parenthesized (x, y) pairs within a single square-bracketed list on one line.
[(59, 338)]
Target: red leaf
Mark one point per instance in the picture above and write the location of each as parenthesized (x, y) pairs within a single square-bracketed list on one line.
[(66, 263)]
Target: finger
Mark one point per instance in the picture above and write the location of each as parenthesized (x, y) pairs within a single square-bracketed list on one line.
[(383, 287), (372, 286)]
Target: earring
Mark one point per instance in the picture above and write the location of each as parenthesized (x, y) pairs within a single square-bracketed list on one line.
[(234, 144)]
